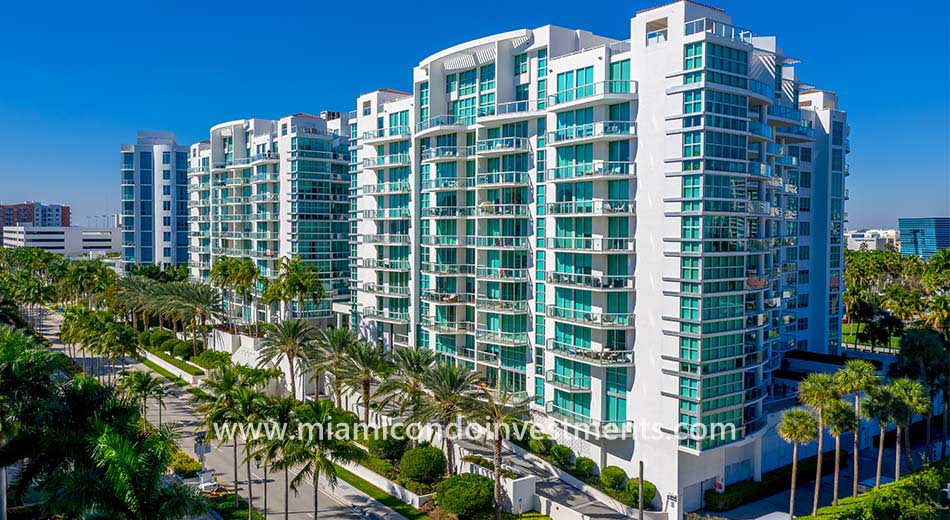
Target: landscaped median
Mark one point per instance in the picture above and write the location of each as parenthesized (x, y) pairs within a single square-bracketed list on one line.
[(163, 349)]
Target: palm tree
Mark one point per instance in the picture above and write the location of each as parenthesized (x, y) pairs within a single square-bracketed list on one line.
[(244, 277), (496, 410), (923, 356), (938, 314), (197, 303), (841, 419), (296, 282), (329, 354), (404, 383), (317, 454), (140, 384), (880, 407), (133, 291), (798, 426), (450, 391), (286, 340), (216, 400), (910, 399), (367, 365), (248, 405), (857, 376), (221, 277), (275, 449), (818, 391)]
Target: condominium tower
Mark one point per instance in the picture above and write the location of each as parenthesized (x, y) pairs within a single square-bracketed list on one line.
[(269, 190), (154, 214), (622, 230)]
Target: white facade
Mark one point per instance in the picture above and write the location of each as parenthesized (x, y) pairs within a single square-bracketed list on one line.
[(612, 227), (872, 239), (154, 200), (72, 242), (270, 189)]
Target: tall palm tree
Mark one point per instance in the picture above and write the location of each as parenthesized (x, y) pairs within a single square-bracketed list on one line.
[(134, 291), (248, 408), (275, 450), (857, 376), (923, 356), (451, 395), (317, 455), (404, 385), (938, 314), (367, 366), (195, 302), (880, 407), (798, 426), (296, 282), (244, 277), (818, 391), (496, 410), (221, 277), (286, 340), (841, 419), (910, 399), (139, 385), (328, 354), (216, 401)]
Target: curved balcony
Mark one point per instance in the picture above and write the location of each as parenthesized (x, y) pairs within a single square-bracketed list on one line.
[(491, 210), (503, 179), (265, 177), (597, 207), (784, 115), (391, 291), (589, 318), (447, 212), (385, 135), (600, 282), (567, 383), (503, 274), (594, 93), (386, 161), (447, 269), (797, 133), (503, 242), (265, 197), (592, 132), (386, 315), (446, 298), (446, 327), (512, 111), (325, 155), (593, 170), (514, 339), (601, 245), (601, 358), (386, 188), (501, 306), (446, 153), (502, 145), (447, 184), (444, 123)]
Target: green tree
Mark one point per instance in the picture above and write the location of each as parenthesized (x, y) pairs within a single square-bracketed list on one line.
[(404, 384), (910, 399), (216, 401), (818, 391), (286, 340), (329, 354), (451, 395), (496, 411), (923, 356), (296, 282), (140, 385), (367, 365), (841, 419), (880, 406), (856, 377), (276, 450), (798, 427)]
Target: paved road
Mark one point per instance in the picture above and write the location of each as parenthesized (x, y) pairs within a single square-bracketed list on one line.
[(344, 502)]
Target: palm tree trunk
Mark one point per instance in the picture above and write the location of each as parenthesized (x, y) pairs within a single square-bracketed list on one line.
[(791, 501), (234, 452), (834, 500), (855, 447), (897, 453), (449, 449), (821, 444), (943, 437), (496, 455), (286, 494), (880, 456), (907, 454), (365, 390), (293, 377), (250, 486), (316, 493)]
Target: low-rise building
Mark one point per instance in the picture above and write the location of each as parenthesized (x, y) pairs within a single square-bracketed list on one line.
[(872, 239), (72, 242)]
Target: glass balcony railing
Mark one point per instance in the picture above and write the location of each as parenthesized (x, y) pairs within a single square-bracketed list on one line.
[(502, 273), (494, 178), (384, 263), (447, 327), (450, 183), (614, 88), (386, 213), (761, 88), (590, 130), (760, 129), (394, 131), (503, 242), (591, 207), (503, 144), (593, 169), (446, 120), (501, 337), (447, 268), (604, 282), (499, 305), (386, 187), (386, 239), (718, 28), (385, 289), (385, 314), (802, 131), (620, 245), (604, 357), (396, 159), (567, 382), (489, 209), (511, 108), (447, 212), (785, 112), (587, 317), (446, 152), (592, 427), (447, 298)]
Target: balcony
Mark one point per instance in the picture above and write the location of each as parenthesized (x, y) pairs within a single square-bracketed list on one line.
[(593, 170), (593, 427), (790, 161), (387, 161), (265, 177), (797, 133), (391, 291), (447, 212), (760, 130), (265, 197), (386, 188), (599, 131), (503, 242), (584, 95), (449, 184), (502, 274), (503, 179), (386, 239), (567, 383), (600, 282), (498, 305), (780, 113), (444, 240), (446, 153), (380, 135), (385, 213), (445, 122), (447, 298), (384, 264), (603, 245), (604, 208), (489, 209), (386, 315), (717, 28), (446, 268), (319, 154), (198, 169), (503, 145), (511, 111), (447, 327), (601, 358), (589, 318), (515, 339), (260, 157), (499, 393)]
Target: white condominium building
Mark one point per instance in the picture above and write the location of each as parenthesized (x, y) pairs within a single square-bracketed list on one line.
[(71, 242), (270, 189), (631, 232)]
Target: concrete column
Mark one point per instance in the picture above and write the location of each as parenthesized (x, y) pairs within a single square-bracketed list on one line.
[(757, 459)]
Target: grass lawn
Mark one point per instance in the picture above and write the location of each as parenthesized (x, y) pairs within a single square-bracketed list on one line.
[(185, 367), (849, 335), (172, 378), (385, 498)]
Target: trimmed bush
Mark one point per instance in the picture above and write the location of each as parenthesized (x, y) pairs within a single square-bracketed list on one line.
[(561, 455), (633, 489), (773, 482), (184, 465), (541, 445), (517, 430), (613, 477), (583, 467), (466, 496), (425, 465), (383, 444), (212, 359), (167, 345), (184, 350), (487, 464), (158, 337)]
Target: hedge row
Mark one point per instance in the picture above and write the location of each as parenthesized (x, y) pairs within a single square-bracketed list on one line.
[(187, 368), (773, 482)]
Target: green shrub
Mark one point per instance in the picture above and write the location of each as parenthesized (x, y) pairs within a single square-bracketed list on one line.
[(540, 444), (613, 477), (773, 482), (633, 489), (561, 455), (158, 337), (381, 467), (466, 496), (181, 365), (184, 465), (212, 359), (416, 487), (167, 345), (517, 430), (487, 464), (145, 338), (388, 443), (583, 467), (184, 350), (425, 465)]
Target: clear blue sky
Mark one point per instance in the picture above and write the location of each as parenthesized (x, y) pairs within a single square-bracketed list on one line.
[(80, 78)]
